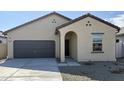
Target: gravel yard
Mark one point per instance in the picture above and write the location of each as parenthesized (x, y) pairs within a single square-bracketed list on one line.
[(98, 71), (72, 74)]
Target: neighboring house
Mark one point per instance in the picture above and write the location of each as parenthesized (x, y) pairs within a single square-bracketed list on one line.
[(87, 38), (2, 38), (120, 43)]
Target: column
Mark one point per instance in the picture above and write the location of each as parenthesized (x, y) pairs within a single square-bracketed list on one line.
[(62, 47)]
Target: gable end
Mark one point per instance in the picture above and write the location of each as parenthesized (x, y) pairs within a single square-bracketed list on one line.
[(5, 33), (84, 16)]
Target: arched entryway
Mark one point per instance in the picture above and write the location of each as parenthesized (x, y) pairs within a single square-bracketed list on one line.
[(71, 45)]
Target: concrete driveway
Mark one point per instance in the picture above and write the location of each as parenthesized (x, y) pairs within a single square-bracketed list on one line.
[(29, 70)]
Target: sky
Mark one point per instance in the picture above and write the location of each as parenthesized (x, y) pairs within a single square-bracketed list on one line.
[(11, 19)]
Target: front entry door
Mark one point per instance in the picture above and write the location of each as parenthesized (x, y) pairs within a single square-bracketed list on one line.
[(67, 54)]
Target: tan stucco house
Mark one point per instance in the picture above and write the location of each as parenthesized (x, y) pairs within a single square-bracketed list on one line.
[(86, 38)]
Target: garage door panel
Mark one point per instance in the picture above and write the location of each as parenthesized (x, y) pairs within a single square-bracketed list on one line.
[(34, 49)]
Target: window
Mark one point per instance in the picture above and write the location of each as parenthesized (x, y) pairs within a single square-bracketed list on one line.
[(97, 42)]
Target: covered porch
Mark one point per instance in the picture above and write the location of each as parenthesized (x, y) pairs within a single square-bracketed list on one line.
[(68, 45)]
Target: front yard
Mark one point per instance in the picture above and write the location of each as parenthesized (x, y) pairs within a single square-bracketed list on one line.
[(98, 71)]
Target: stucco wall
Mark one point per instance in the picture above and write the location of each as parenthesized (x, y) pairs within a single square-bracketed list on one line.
[(84, 39), (73, 46), (42, 29)]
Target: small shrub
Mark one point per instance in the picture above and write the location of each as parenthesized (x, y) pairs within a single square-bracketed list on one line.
[(115, 63), (116, 71), (104, 65), (109, 67), (121, 69), (88, 63)]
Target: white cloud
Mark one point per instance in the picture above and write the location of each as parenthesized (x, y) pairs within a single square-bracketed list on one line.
[(118, 20)]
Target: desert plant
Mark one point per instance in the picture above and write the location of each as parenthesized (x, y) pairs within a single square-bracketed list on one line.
[(116, 71), (88, 63)]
